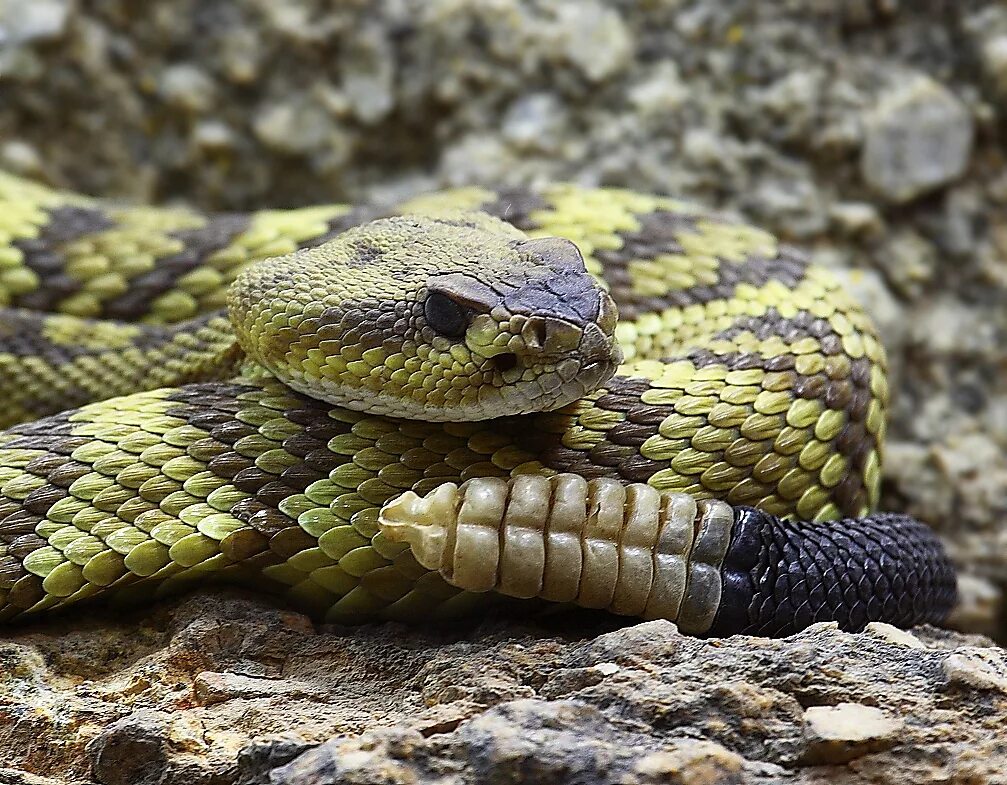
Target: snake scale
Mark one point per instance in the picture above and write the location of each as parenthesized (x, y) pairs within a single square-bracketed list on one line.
[(386, 413)]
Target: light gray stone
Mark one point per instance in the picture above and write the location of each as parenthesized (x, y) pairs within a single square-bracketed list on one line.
[(994, 55), (24, 21), (188, 87), (918, 139), (593, 37)]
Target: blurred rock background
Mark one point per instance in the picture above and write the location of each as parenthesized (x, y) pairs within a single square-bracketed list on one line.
[(871, 132)]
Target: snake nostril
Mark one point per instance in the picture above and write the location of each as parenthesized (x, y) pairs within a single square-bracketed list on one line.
[(505, 362), (540, 333), (535, 332)]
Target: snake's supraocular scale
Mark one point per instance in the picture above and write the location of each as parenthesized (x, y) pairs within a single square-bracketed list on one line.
[(352, 466)]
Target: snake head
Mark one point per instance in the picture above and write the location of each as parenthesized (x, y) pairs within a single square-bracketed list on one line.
[(451, 318), (543, 328)]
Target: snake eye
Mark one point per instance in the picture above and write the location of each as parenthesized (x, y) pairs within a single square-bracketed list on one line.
[(445, 315)]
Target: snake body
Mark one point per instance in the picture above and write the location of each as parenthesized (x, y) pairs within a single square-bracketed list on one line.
[(408, 407)]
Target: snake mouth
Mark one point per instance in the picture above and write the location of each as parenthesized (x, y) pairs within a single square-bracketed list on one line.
[(596, 372)]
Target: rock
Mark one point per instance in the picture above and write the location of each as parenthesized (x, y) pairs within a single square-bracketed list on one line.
[(228, 689), (894, 635), (794, 202), (994, 55), (131, 751), (263, 755), (979, 670), (187, 87), (593, 37), (534, 121), (918, 138), (212, 135), (857, 219), (20, 157), (16, 777), (25, 21), (908, 260), (846, 731), (980, 605), (661, 90), (529, 741), (368, 73), (294, 127), (477, 157)]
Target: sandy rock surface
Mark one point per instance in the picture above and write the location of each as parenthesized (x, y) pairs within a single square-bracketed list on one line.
[(871, 132), (222, 688)]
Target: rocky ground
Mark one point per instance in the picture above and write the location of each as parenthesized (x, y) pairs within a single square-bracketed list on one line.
[(226, 688), (872, 132)]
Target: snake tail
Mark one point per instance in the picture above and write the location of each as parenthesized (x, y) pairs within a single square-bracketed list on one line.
[(780, 576), (636, 551)]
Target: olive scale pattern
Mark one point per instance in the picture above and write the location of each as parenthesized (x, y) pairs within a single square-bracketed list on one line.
[(750, 377)]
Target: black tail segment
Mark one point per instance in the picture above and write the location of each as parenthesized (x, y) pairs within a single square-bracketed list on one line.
[(781, 576)]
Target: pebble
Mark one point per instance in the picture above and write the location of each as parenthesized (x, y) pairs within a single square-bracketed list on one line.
[(25, 21), (186, 86), (918, 138), (662, 89), (977, 669), (994, 56), (214, 135), (21, 157), (894, 635), (846, 731), (594, 38), (293, 126), (857, 219), (534, 121)]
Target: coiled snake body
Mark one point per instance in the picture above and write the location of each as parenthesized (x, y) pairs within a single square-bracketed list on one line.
[(403, 413)]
